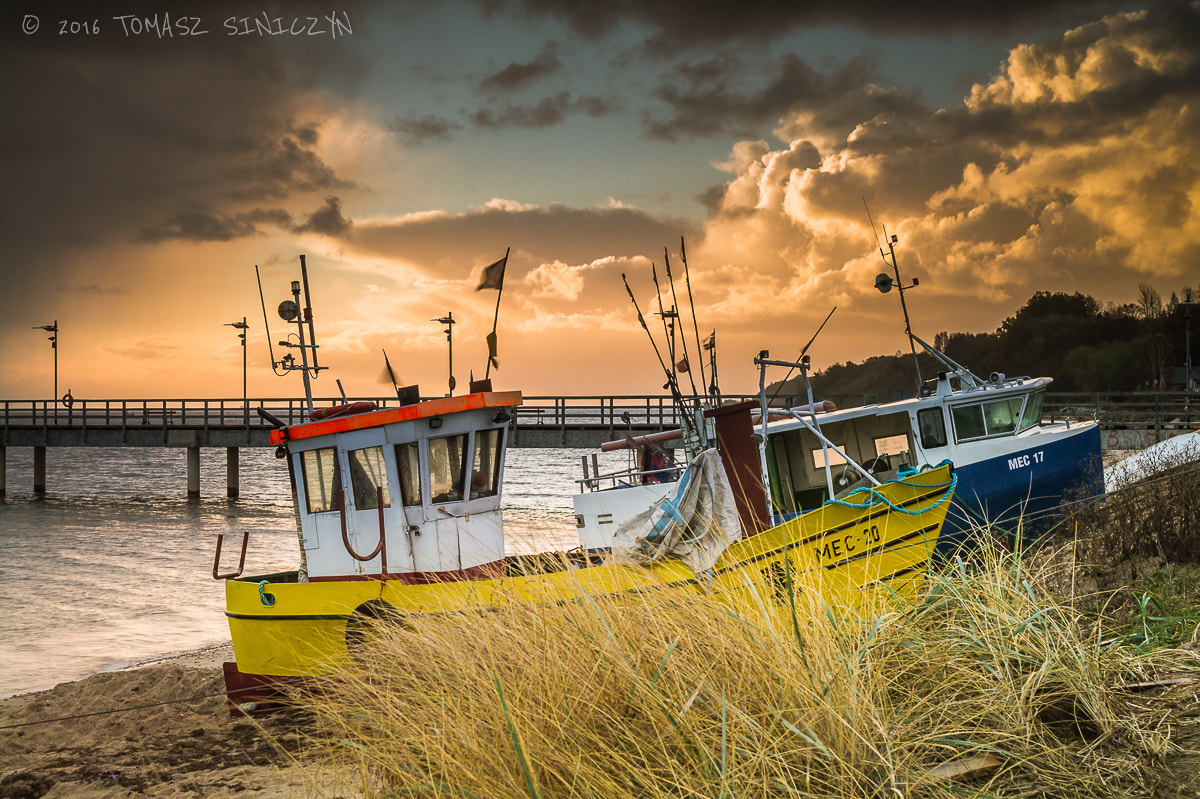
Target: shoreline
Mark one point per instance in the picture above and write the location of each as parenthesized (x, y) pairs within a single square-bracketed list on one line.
[(205, 657), (210, 656)]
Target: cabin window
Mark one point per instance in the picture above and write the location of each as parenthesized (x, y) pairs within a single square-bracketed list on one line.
[(1002, 415), (322, 479), (367, 476), (933, 427), (447, 468), (995, 418), (835, 459), (408, 458), (485, 464), (1033, 410), (968, 422)]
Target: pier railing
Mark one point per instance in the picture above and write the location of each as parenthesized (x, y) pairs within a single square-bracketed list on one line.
[(1141, 417), (638, 410)]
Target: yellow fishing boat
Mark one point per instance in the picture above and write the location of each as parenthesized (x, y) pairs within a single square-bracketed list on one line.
[(399, 517)]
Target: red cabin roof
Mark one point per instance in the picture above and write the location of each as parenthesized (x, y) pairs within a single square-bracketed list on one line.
[(422, 410)]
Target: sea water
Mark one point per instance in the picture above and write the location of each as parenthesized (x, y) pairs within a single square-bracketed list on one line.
[(113, 565)]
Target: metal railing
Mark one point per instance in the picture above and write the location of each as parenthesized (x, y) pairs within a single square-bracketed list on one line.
[(1143, 411), (637, 410)]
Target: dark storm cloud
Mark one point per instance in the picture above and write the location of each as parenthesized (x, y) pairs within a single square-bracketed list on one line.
[(414, 131), (519, 75), (197, 225), (327, 220), (710, 98), (568, 234), (545, 113), (113, 138), (279, 169), (678, 24)]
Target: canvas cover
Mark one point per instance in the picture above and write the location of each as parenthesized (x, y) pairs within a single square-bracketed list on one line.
[(694, 523)]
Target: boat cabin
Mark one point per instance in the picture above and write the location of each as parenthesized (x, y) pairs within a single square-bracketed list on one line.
[(884, 439), (409, 493)]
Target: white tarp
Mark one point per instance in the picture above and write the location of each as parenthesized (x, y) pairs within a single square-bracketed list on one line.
[(694, 523), (1169, 454)]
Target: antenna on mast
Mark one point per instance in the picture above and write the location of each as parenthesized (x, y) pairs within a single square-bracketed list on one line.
[(290, 311), (884, 283)]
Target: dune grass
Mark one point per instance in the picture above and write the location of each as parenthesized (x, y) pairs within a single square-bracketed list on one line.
[(647, 695)]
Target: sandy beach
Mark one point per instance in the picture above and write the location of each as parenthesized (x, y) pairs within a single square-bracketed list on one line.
[(170, 737)]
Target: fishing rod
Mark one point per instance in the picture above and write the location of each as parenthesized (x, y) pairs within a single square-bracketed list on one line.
[(692, 303), (671, 384), (801, 359), (682, 335), (668, 331)]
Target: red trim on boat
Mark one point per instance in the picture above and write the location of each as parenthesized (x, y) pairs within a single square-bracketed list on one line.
[(422, 410)]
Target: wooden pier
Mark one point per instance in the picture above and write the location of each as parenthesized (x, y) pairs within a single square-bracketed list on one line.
[(1128, 421)]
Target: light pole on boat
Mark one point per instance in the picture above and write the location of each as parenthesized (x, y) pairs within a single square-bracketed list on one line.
[(53, 338), (242, 327), (448, 321), (884, 282)]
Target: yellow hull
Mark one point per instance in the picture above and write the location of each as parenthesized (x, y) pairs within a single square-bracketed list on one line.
[(839, 553)]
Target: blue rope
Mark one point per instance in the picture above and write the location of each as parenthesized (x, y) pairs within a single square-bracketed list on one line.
[(268, 600), (875, 498), (671, 510)]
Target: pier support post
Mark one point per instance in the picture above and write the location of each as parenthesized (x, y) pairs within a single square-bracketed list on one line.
[(232, 481), (193, 472), (39, 470), (3, 470)]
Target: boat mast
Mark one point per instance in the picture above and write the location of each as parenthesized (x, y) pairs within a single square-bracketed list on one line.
[(891, 242), (884, 282), (291, 311)]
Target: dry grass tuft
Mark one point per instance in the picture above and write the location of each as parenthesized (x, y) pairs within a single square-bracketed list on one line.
[(649, 695)]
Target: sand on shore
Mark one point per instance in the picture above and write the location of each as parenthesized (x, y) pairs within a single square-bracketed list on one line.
[(160, 728)]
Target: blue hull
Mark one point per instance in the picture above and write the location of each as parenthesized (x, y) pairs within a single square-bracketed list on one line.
[(1025, 483)]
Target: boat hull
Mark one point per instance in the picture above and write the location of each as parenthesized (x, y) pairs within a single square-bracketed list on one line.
[(1025, 481), (840, 554)]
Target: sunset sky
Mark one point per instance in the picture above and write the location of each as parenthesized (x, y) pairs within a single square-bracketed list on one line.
[(1011, 148)]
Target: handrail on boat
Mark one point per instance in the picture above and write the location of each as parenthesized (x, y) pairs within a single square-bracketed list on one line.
[(593, 483), (241, 560), (381, 547)]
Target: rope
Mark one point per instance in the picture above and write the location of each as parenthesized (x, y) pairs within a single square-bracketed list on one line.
[(127, 709), (875, 498)]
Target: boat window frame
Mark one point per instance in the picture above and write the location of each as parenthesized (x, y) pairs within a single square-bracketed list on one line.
[(979, 404), (410, 481), (457, 487), (490, 487), (928, 440), (1033, 407), (366, 497), (334, 485)]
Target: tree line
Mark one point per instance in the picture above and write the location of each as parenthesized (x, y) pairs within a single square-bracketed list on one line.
[(1084, 344)]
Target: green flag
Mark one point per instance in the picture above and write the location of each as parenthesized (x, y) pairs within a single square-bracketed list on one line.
[(491, 342)]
